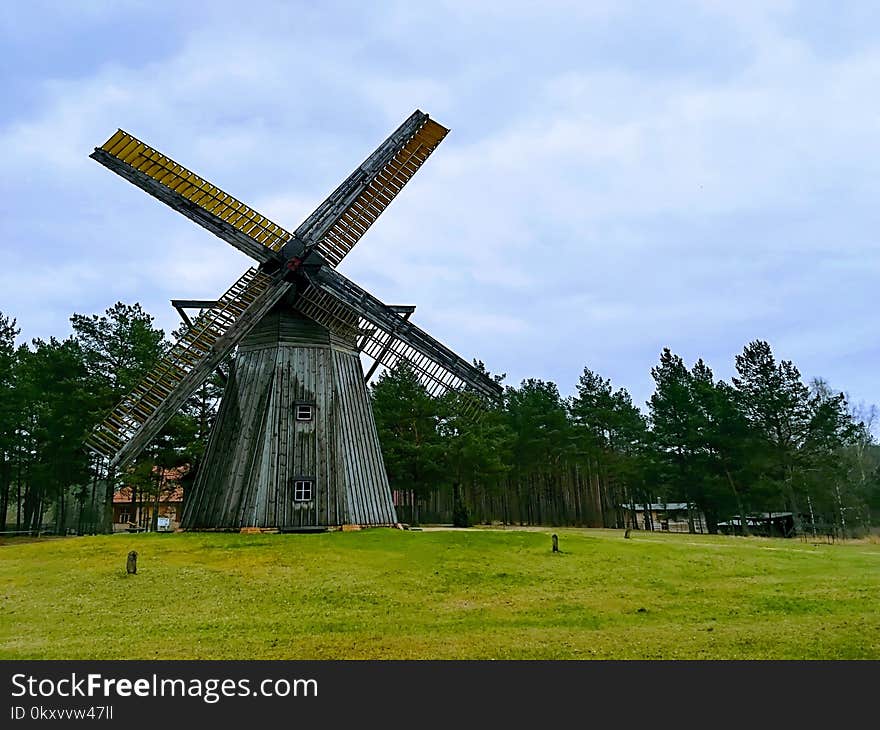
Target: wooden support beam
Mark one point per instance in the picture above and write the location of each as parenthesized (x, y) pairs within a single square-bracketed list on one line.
[(406, 313), (181, 305)]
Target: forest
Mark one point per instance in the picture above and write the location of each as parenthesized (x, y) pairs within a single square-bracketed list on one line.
[(764, 442)]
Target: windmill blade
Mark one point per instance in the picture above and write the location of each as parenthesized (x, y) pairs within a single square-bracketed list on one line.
[(344, 217), (193, 196), (351, 312), (333, 229), (142, 413)]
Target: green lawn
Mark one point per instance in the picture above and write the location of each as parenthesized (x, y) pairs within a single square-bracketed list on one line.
[(453, 594)]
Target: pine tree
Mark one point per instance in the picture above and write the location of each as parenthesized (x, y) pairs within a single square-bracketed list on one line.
[(542, 446), (476, 445), (119, 348), (611, 433), (55, 400), (674, 424), (777, 405), (8, 421), (406, 420)]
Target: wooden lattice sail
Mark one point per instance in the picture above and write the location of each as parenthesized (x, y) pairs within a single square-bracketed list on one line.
[(295, 443)]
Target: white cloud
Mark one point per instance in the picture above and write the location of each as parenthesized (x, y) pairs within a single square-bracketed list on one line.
[(590, 205)]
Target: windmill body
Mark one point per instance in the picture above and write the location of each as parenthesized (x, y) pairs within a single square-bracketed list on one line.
[(295, 443)]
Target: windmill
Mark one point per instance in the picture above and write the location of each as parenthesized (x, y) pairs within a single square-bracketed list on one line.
[(294, 444)]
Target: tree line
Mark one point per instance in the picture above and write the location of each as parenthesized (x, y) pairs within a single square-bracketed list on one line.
[(53, 392), (764, 442)]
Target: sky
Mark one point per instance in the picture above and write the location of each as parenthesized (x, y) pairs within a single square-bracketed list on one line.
[(619, 177)]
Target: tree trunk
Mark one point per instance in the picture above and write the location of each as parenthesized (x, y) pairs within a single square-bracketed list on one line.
[(60, 518), (690, 512), (39, 513), (80, 502), (28, 507), (93, 510), (108, 502), (739, 504), (5, 487), (155, 520), (789, 488), (18, 504)]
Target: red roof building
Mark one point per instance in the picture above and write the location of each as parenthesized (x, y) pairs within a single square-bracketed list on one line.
[(133, 508)]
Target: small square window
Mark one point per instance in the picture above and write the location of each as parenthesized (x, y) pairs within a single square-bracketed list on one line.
[(302, 490), (304, 412)]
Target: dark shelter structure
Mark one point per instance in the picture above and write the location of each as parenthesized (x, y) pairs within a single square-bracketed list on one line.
[(295, 443)]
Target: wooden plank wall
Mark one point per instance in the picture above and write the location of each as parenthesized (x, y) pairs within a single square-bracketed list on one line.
[(367, 492), (258, 448)]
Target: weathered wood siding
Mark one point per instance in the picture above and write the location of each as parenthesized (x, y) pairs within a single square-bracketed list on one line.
[(258, 447), (368, 496)]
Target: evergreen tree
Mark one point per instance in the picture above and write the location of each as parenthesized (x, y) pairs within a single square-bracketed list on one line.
[(826, 458), (542, 445), (675, 428), (119, 348), (406, 420), (724, 441), (863, 459), (54, 419), (8, 420), (611, 433), (777, 405), (476, 452)]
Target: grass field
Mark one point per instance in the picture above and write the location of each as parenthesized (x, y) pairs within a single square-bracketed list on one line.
[(446, 594)]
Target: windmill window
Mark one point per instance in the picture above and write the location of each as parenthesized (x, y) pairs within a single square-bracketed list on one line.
[(302, 490), (305, 412)]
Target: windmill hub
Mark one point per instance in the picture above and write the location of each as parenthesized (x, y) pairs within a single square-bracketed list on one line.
[(294, 444), (296, 254)]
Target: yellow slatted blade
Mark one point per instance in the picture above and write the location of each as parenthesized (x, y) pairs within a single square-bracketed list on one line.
[(195, 346), (175, 177), (385, 184)]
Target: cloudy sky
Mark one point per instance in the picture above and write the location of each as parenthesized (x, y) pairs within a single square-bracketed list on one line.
[(620, 177)]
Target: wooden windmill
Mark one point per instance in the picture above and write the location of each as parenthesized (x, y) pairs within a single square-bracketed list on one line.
[(295, 443)]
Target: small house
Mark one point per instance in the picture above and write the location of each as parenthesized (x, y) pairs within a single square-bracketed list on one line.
[(133, 509)]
